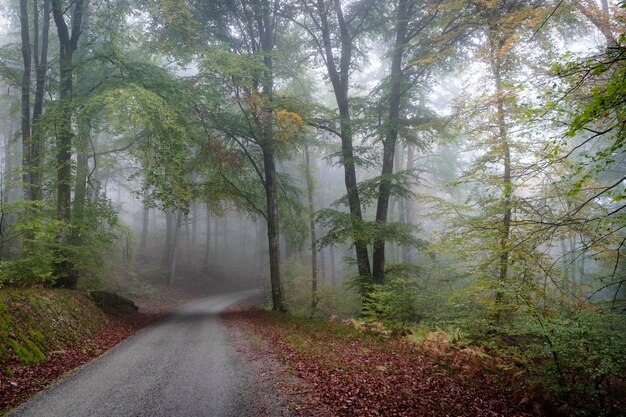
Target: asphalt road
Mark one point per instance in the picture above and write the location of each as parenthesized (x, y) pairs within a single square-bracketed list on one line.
[(183, 366)]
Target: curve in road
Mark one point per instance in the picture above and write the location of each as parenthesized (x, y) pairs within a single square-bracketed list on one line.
[(182, 366)]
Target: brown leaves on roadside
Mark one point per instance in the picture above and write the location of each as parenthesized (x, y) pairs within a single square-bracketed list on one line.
[(354, 374)]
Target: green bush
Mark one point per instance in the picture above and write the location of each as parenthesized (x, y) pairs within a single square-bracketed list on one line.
[(395, 301), (585, 360), (38, 249)]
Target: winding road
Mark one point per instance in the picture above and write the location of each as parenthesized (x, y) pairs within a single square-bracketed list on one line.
[(182, 366)]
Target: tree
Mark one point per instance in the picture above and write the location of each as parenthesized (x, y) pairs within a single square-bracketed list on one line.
[(68, 43), (252, 40), (334, 41), (424, 35), (31, 131)]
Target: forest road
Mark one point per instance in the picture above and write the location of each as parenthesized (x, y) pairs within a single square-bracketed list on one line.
[(182, 366)]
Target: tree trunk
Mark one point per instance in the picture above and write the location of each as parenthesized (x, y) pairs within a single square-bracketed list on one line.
[(333, 271), (323, 265), (339, 78), (66, 274), (188, 248), (225, 232), (171, 274), (215, 245), (68, 42), (26, 127), (266, 35), (80, 191), (507, 186), (145, 225), (310, 191), (207, 246), (391, 136), (407, 251), (169, 223), (194, 232), (272, 230), (41, 68)]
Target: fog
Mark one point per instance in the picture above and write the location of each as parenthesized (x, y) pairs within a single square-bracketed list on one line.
[(178, 193)]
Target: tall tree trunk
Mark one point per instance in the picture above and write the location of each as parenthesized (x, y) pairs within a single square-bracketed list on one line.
[(207, 246), (41, 68), (188, 249), (323, 265), (145, 225), (215, 234), (507, 186), (66, 274), (272, 230), (194, 232), (169, 225), (68, 42), (26, 76), (407, 251), (82, 172), (225, 232), (333, 268), (339, 78), (310, 187), (266, 35), (171, 274), (391, 136)]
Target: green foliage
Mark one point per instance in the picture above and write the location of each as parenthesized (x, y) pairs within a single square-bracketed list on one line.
[(39, 234), (344, 227), (41, 251), (584, 360), (333, 299), (394, 301), (595, 95), (94, 240)]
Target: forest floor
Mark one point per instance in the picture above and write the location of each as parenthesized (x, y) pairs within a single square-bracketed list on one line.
[(334, 369), (18, 382)]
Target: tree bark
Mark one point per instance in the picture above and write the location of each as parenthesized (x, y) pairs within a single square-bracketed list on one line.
[(171, 274), (145, 225), (266, 35), (194, 232), (26, 79), (339, 78), (80, 190), (391, 137), (310, 187), (207, 246), (68, 42), (409, 203), (333, 271), (41, 68), (272, 230), (169, 222), (507, 186)]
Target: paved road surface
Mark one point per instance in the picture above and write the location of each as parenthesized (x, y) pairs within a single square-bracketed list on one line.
[(183, 366)]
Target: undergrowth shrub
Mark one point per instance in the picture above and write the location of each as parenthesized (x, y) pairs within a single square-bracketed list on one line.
[(36, 248), (332, 299)]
